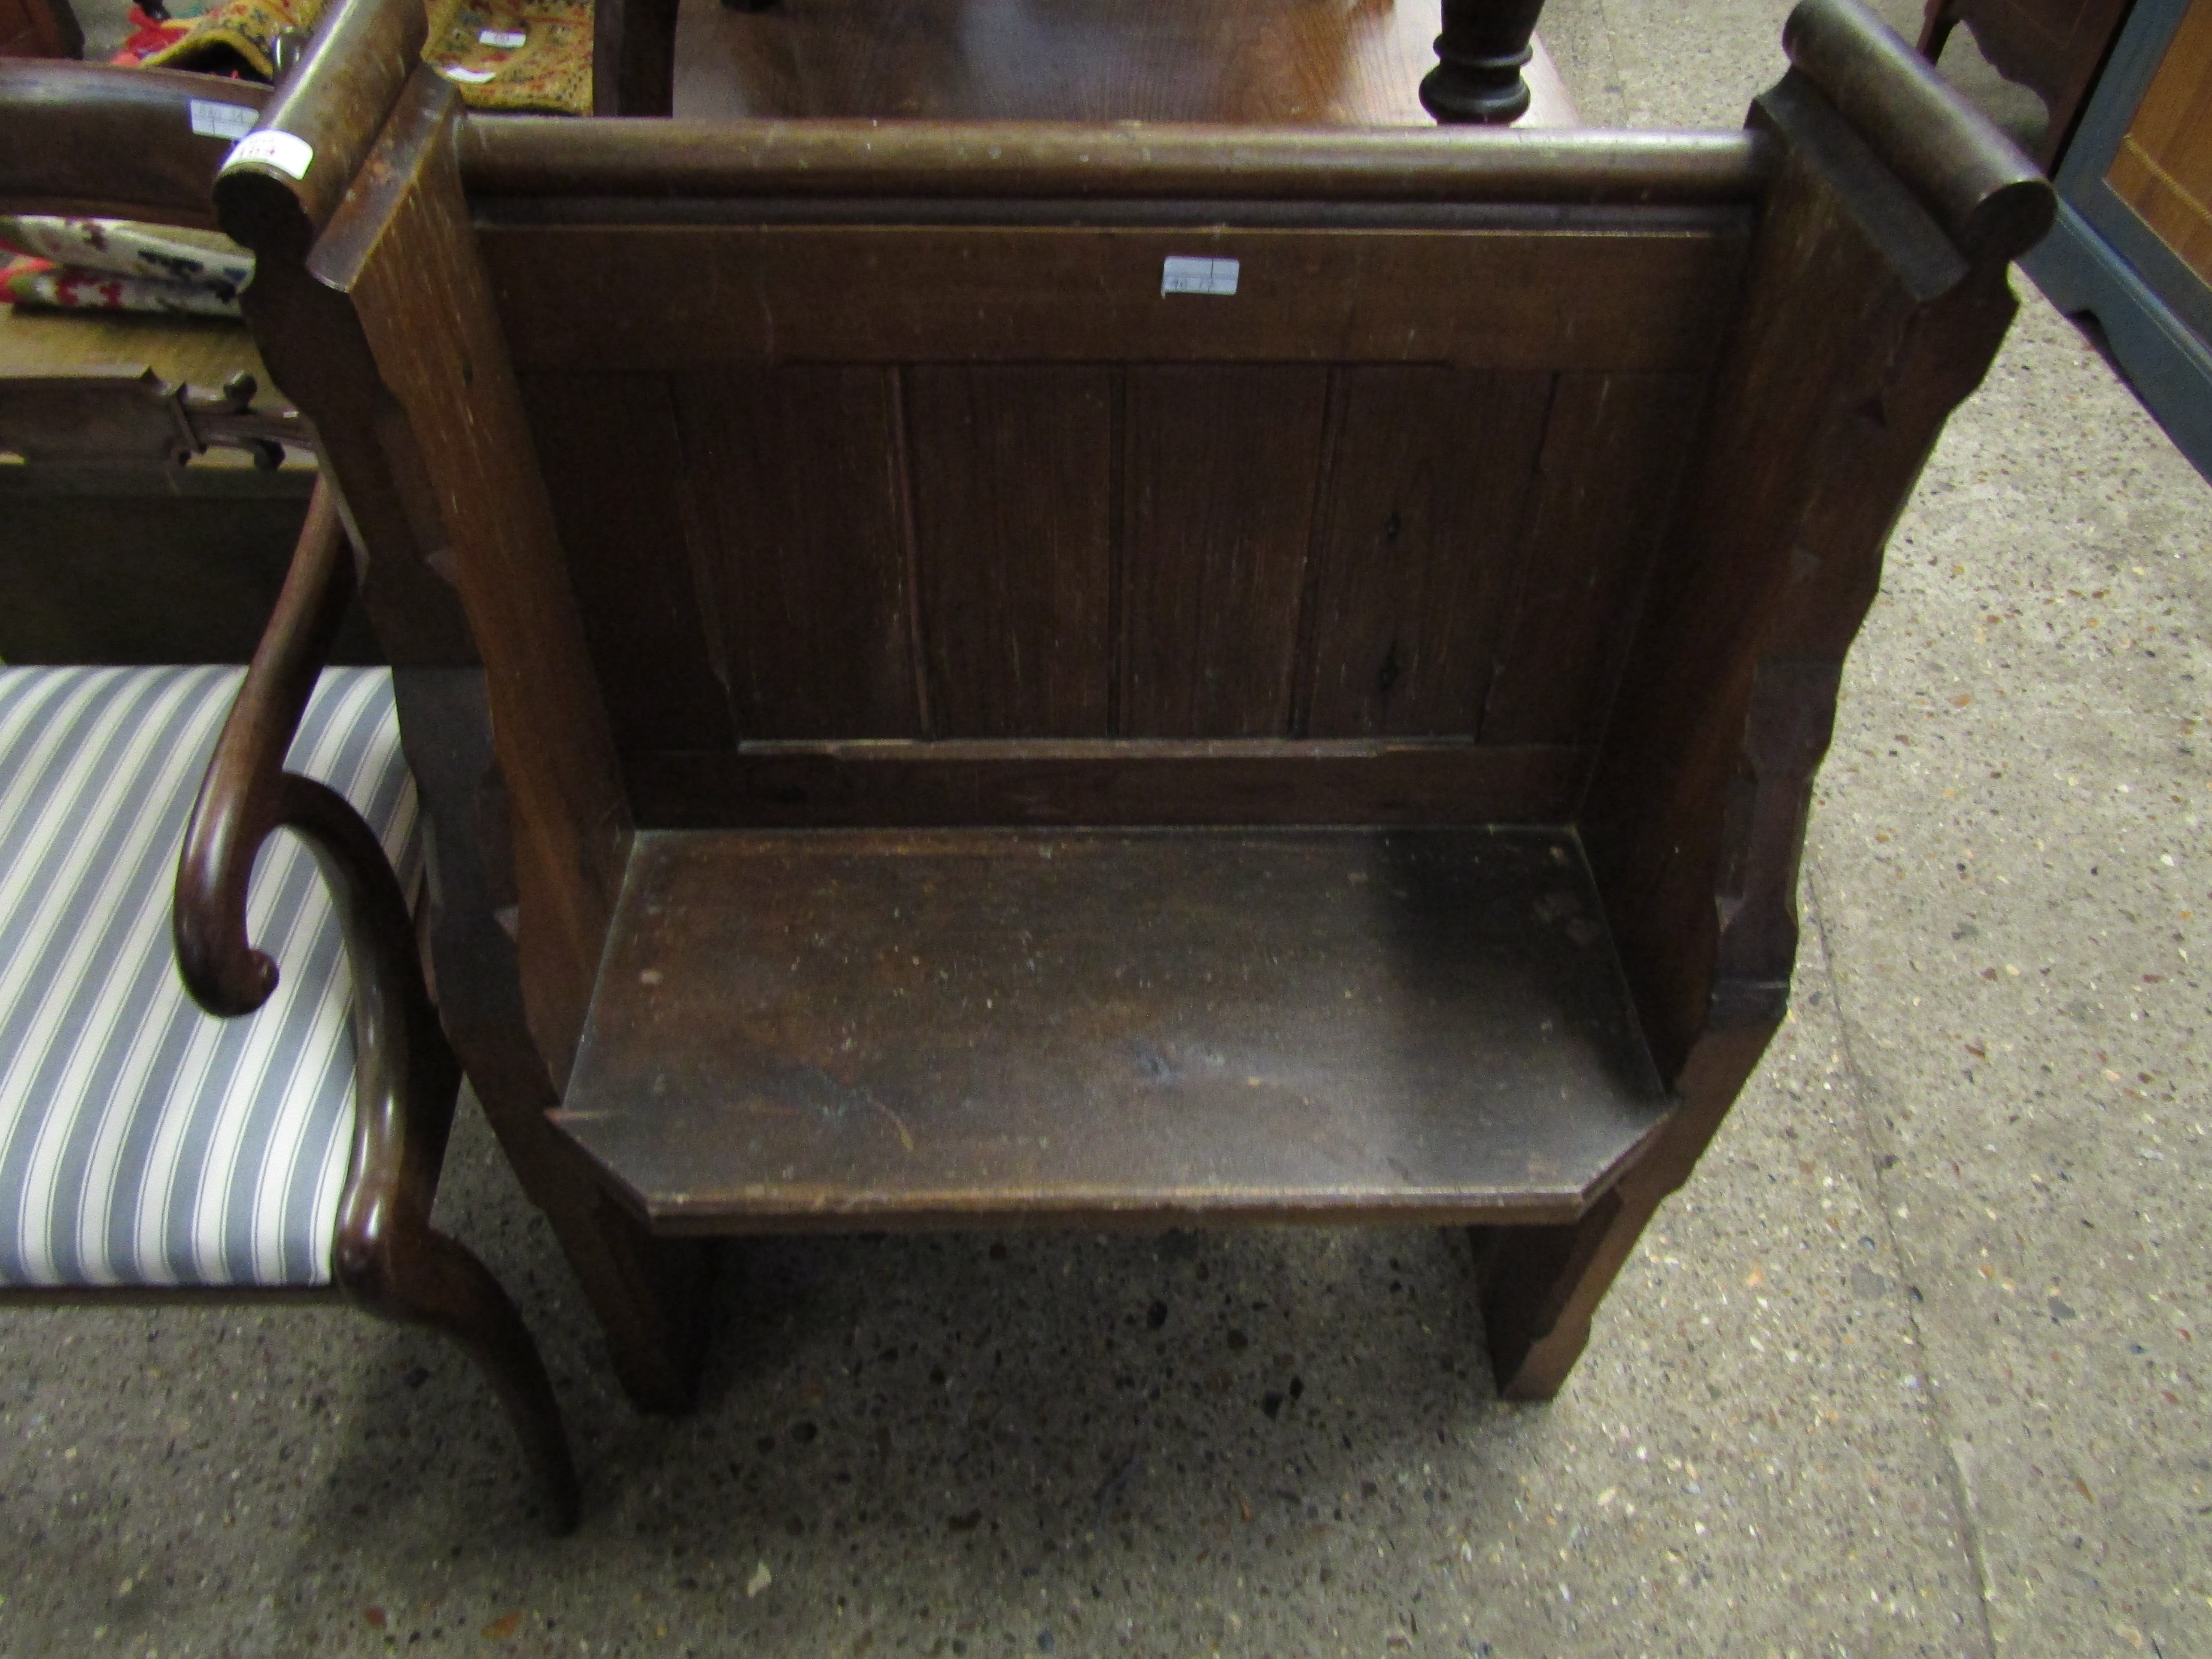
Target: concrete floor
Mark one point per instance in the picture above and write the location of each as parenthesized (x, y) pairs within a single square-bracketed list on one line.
[(1911, 1366)]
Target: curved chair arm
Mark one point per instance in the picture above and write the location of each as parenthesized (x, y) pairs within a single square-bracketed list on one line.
[(388, 1257), (246, 793)]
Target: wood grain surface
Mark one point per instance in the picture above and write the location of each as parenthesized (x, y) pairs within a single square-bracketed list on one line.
[(884, 1030)]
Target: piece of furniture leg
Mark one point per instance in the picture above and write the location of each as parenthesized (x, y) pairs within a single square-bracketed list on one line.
[(633, 58), (649, 1293), (432, 1281), (1480, 54)]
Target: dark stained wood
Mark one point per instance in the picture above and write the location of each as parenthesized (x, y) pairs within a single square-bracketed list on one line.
[(115, 419), (39, 28), (1416, 547), (947, 346), (1013, 502), (876, 1028), (622, 299), (386, 1256), (1988, 198), (796, 472), (90, 141), (1230, 61), (516, 158), (1482, 53), (333, 102), (1614, 449), (99, 567), (1219, 470), (1139, 782), (633, 57), (401, 250), (314, 337), (613, 462), (650, 1294), (1863, 327)]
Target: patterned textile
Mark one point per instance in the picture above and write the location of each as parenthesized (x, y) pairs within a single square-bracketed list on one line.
[(198, 259), (518, 55), (42, 283), (113, 264), (142, 1141), (503, 54), (237, 34)]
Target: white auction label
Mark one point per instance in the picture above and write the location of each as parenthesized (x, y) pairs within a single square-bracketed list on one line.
[(472, 77), (1185, 274), (508, 38), (281, 150), (212, 119)]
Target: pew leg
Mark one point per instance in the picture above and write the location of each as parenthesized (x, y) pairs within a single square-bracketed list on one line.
[(1541, 1287), (649, 1293), (1480, 54)]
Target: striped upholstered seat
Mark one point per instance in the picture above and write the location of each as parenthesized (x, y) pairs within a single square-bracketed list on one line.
[(142, 1141)]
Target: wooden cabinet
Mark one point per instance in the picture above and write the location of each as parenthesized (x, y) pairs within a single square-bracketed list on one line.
[(2162, 169), (2134, 241)]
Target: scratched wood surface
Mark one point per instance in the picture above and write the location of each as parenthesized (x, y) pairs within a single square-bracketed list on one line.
[(879, 1028)]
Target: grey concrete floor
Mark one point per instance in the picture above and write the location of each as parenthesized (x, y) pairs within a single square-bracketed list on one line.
[(1911, 1366)]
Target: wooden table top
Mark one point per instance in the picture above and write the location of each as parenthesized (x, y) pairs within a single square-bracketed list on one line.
[(1249, 61)]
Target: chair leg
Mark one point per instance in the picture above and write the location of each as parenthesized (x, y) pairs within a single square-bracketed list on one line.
[(438, 1284)]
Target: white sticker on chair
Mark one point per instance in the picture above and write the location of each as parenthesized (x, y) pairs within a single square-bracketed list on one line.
[(281, 150), (212, 119), (1185, 274), (508, 38)]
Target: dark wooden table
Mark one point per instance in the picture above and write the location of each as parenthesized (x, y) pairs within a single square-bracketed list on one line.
[(1254, 62)]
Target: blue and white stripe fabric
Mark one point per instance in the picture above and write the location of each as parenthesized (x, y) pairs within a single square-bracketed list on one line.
[(142, 1141)]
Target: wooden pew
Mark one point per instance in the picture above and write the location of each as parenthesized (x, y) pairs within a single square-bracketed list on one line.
[(988, 726)]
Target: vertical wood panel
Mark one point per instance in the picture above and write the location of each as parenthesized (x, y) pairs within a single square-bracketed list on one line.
[(798, 471), (613, 463), (1613, 448), (1416, 547), (1220, 491), (1013, 496)]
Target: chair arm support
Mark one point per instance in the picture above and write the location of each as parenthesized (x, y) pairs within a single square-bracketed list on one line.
[(246, 794)]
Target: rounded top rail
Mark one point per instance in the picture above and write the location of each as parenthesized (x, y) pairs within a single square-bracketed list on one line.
[(527, 156), (94, 141), (1991, 200), (287, 177)]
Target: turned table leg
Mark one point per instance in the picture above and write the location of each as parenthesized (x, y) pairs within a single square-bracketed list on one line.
[(1480, 52)]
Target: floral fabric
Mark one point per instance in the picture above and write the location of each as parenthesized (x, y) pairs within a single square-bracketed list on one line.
[(517, 55), (111, 264)]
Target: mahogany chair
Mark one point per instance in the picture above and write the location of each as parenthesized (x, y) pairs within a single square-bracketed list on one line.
[(94, 140), (149, 1152), (291, 1153)]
